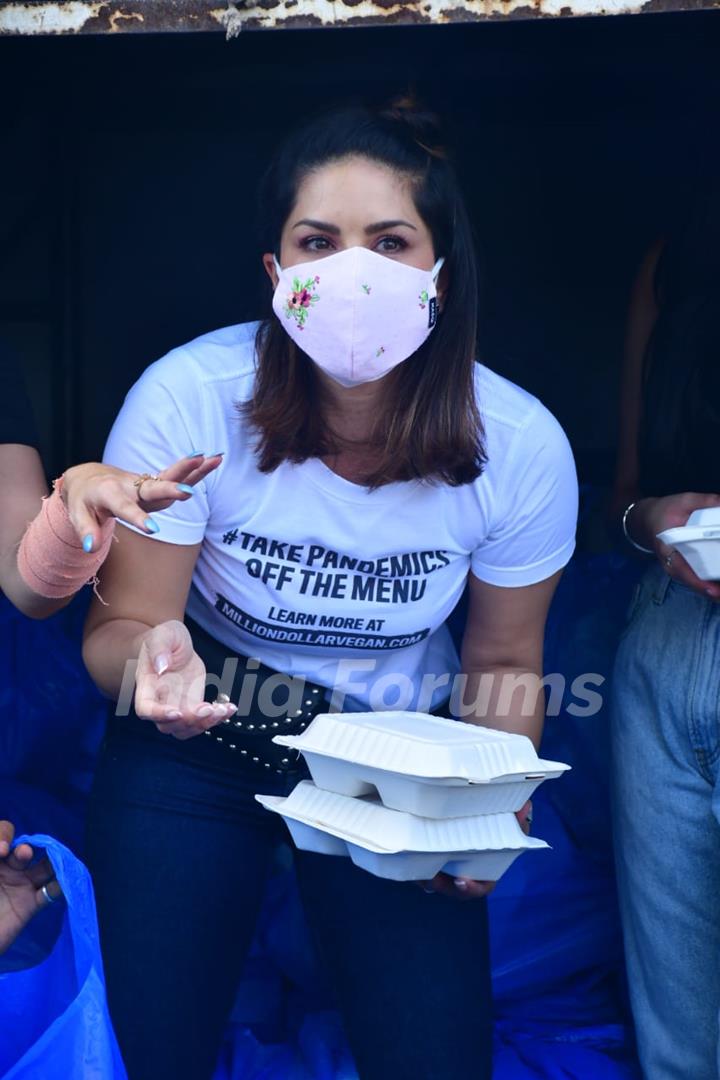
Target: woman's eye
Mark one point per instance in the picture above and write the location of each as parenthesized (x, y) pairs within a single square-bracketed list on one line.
[(386, 245), (315, 243)]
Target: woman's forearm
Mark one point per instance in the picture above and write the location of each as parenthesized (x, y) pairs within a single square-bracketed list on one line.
[(505, 698), (23, 487), (22, 596), (638, 524), (109, 648)]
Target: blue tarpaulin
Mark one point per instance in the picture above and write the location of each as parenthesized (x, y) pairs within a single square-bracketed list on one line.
[(557, 958)]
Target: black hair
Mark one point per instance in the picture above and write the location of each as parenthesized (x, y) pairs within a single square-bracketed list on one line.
[(680, 425)]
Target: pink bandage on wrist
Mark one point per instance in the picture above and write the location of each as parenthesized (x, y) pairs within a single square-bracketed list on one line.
[(51, 559)]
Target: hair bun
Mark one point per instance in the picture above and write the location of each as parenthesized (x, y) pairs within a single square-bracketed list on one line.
[(422, 126)]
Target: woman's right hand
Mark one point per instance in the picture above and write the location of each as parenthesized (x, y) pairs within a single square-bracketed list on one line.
[(652, 516), (170, 684)]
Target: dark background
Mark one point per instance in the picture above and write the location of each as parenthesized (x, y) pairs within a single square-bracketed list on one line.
[(129, 164)]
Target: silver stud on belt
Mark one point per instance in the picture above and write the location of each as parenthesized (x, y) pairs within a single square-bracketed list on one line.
[(234, 722)]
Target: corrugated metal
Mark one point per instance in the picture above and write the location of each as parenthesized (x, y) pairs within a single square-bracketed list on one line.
[(38, 17)]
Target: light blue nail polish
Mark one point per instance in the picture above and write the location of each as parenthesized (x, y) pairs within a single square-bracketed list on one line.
[(218, 453), (87, 543), (197, 453), (186, 488), (152, 525)]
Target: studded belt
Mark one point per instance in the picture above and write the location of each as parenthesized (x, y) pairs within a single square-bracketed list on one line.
[(255, 688)]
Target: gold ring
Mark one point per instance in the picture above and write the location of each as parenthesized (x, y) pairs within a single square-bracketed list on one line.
[(140, 480)]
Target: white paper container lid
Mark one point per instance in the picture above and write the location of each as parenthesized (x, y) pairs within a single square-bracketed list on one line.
[(708, 515), (416, 744), (698, 542), (703, 524), (372, 826)]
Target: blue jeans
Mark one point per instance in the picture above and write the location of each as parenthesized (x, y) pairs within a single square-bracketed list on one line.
[(666, 745), (180, 851)]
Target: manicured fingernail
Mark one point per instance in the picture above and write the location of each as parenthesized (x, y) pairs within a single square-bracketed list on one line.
[(204, 710), (152, 525), (173, 715), (161, 663), (218, 453), (197, 453), (460, 884), (187, 489), (88, 543)]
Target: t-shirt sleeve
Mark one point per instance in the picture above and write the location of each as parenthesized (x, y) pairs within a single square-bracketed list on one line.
[(160, 421), (532, 534), (17, 423)]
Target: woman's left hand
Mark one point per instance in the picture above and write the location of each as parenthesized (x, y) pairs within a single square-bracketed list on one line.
[(466, 888), (94, 492), (655, 515)]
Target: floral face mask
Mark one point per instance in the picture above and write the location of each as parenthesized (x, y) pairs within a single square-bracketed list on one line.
[(357, 314)]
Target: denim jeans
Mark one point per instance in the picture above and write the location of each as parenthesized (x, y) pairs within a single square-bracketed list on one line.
[(666, 744), (179, 852)]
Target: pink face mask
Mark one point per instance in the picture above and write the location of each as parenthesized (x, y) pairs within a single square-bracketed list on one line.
[(357, 314)]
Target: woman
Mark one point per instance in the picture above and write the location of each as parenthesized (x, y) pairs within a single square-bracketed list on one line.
[(49, 548), (666, 740), (370, 464)]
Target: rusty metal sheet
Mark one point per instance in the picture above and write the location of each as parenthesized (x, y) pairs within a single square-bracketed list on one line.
[(40, 17)]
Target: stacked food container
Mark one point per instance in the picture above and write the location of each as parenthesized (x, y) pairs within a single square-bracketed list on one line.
[(698, 541), (407, 795)]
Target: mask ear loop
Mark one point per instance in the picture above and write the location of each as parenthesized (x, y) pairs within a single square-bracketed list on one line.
[(434, 273), (277, 265)]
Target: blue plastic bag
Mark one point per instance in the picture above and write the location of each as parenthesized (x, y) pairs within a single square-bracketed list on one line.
[(53, 1016)]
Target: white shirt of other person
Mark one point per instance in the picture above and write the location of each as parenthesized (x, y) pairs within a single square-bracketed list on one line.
[(320, 578)]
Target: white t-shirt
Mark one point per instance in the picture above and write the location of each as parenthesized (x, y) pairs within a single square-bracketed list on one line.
[(315, 575)]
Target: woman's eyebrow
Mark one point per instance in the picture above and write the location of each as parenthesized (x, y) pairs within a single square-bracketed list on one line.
[(378, 226), (381, 226), (323, 226)]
